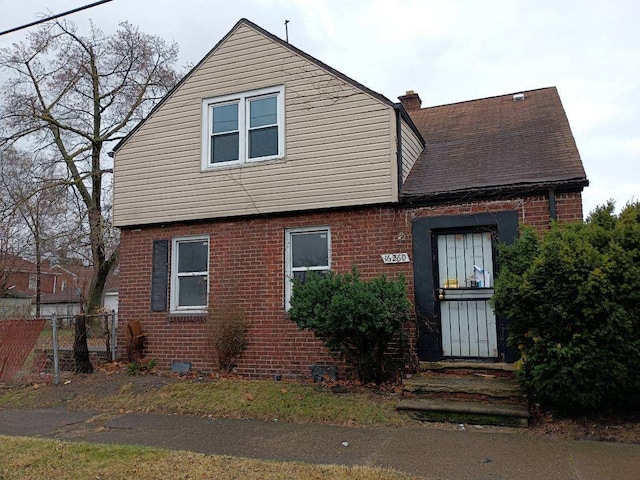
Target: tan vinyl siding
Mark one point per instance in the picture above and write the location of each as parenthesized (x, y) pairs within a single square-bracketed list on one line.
[(337, 146), (411, 149)]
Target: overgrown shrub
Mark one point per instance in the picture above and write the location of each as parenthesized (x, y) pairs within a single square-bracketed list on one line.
[(573, 298), (227, 326), (357, 319)]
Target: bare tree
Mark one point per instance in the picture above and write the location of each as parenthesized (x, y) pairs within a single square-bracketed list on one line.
[(37, 203), (13, 242), (70, 95)]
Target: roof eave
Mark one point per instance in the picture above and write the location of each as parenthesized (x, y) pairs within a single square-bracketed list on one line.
[(494, 192)]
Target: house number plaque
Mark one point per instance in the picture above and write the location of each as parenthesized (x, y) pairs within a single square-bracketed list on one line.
[(395, 257)]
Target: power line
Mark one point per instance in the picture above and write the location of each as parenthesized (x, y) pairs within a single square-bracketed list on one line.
[(37, 22)]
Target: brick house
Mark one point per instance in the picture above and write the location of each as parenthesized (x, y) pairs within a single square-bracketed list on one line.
[(264, 163), (20, 275), (72, 281), (62, 288), (18, 283)]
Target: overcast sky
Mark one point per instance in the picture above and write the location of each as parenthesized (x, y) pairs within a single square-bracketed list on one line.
[(448, 51)]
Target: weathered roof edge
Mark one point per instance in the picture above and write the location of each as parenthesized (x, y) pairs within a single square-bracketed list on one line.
[(281, 42), (494, 191)]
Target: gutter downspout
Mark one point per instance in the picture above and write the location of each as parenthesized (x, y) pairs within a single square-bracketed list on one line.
[(399, 149), (552, 204)]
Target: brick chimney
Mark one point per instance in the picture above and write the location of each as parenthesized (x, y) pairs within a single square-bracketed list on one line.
[(410, 101)]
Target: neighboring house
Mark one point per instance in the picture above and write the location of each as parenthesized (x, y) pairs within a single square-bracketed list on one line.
[(264, 163), (18, 286), (14, 305), (63, 304), (62, 290), (72, 277), (20, 275), (70, 290)]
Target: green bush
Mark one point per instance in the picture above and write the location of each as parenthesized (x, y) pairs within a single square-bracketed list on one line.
[(136, 368), (573, 298), (357, 319)]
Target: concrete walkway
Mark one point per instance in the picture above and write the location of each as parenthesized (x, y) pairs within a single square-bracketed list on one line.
[(428, 453)]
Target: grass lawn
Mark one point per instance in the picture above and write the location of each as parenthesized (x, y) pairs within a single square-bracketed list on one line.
[(287, 401), (28, 458), (267, 400)]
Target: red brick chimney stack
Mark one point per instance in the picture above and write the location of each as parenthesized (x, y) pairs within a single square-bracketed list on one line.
[(410, 101)]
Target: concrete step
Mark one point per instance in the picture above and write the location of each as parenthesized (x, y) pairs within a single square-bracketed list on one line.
[(465, 412), (466, 365), (472, 385)]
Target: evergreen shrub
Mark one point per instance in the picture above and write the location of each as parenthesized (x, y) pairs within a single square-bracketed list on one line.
[(358, 319), (573, 300)]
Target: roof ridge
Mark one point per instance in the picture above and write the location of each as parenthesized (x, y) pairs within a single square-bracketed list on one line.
[(488, 98)]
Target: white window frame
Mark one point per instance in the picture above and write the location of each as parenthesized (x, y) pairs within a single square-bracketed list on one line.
[(289, 269), (243, 100), (33, 281), (175, 308)]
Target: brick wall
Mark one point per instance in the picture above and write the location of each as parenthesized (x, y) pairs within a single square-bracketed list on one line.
[(21, 281), (247, 266), (532, 211), (569, 207)]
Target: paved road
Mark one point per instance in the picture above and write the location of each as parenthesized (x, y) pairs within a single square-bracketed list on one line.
[(426, 452)]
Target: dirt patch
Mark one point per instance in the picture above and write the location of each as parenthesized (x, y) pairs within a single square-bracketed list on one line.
[(75, 391), (611, 428)]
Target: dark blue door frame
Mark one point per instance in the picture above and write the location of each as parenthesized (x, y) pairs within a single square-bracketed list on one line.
[(505, 224)]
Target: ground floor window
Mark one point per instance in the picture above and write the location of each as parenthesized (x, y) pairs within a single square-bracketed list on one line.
[(189, 273), (307, 249)]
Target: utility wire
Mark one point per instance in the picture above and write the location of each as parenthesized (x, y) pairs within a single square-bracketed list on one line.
[(79, 9)]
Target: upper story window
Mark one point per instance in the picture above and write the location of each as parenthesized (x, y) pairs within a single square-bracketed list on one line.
[(242, 128), (189, 273), (33, 281)]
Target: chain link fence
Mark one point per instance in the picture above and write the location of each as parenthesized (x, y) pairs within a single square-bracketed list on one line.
[(17, 340), (42, 349)]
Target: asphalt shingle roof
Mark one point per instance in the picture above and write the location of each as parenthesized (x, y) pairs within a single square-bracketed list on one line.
[(494, 144)]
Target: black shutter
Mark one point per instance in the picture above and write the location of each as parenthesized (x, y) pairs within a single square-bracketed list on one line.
[(160, 276)]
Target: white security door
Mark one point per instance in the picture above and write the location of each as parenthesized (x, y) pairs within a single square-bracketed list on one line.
[(464, 288)]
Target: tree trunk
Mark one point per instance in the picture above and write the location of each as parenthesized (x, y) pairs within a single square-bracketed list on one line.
[(96, 289), (80, 346), (93, 304), (110, 82)]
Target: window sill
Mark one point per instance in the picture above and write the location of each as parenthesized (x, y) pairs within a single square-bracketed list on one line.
[(239, 165), (199, 317)]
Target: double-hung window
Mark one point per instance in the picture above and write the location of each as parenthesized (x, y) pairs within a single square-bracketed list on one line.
[(307, 249), (247, 127), (189, 273)]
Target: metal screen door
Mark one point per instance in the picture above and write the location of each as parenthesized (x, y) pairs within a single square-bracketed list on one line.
[(464, 288)]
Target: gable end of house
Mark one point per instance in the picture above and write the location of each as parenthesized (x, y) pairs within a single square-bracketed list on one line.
[(330, 143)]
